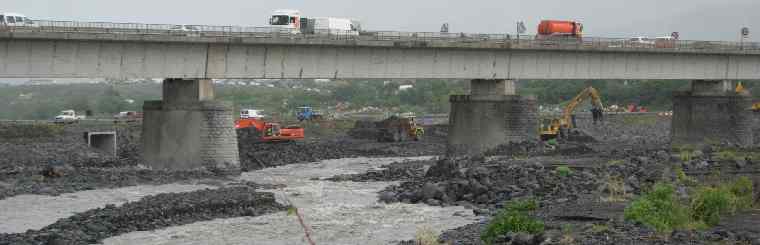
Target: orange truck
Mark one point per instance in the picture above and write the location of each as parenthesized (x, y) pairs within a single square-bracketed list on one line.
[(560, 28), (271, 132)]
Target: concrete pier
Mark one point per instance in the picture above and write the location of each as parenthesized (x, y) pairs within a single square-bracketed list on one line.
[(189, 130), (491, 115), (712, 112)]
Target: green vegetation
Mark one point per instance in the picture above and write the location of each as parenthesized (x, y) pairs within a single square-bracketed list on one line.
[(659, 209), (727, 154), (709, 204), (282, 97), (600, 228), (663, 211), (514, 217), (655, 95), (640, 120), (683, 178), (685, 152), (564, 171), (31, 131)]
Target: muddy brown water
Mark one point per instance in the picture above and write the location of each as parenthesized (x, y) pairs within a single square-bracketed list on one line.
[(337, 212)]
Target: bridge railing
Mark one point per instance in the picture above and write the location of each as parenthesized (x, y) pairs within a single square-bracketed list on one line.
[(415, 38)]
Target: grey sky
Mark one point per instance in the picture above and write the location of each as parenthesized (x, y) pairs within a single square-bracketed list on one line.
[(694, 19)]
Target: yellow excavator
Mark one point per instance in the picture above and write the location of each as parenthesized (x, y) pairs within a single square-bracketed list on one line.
[(740, 89), (559, 127)]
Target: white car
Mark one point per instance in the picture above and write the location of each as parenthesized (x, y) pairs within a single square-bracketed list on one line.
[(641, 41), (251, 113), (188, 30), (68, 116)]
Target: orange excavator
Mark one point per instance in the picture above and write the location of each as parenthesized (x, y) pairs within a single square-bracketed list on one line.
[(271, 132)]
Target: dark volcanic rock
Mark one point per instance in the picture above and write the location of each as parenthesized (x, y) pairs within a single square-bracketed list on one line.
[(150, 213), (66, 180)]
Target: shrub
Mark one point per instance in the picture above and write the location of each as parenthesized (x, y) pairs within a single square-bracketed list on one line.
[(710, 203), (425, 236), (661, 210), (742, 188), (727, 155), (564, 171), (685, 155), (684, 179), (658, 208), (616, 188), (514, 217)]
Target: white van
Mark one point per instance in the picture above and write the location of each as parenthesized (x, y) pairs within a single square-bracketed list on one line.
[(14, 19)]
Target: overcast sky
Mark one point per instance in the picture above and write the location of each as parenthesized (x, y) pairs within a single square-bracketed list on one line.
[(694, 19)]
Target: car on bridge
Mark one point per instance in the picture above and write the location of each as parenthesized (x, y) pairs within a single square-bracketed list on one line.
[(641, 42), (185, 30), (14, 19)]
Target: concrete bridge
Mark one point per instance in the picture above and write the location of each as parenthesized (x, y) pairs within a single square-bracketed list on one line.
[(491, 115)]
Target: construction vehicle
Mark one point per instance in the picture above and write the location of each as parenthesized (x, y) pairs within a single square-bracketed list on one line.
[(291, 21), (741, 90), (270, 132), (560, 127), (559, 28), (309, 114), (398, 129)]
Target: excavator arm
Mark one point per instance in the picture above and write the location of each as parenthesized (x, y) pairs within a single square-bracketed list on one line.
[(589, 92)]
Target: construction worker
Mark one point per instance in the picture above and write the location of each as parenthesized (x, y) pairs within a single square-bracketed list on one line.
[(596, 114)]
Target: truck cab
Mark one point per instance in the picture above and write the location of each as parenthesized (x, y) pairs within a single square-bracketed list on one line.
[(15, 19), (286, 20)]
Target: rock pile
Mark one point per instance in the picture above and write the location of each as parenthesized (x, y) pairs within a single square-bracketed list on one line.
[(470, 182), (69, 179), (150, 213), (397, 171)]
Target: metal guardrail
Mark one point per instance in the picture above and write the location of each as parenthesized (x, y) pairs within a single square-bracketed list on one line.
[(413, 38)]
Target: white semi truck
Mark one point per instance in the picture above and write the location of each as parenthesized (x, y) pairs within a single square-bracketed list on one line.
[(288, 20)]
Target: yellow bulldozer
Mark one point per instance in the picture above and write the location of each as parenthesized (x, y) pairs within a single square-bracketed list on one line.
[(554, 128)]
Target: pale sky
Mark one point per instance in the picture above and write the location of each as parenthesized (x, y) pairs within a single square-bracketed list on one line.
[(694, 19)]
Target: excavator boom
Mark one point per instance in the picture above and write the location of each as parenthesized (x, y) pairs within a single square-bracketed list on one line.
[(550, 128), (589, 92)]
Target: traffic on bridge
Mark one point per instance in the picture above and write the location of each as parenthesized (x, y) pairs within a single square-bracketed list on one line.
[(290, 25)]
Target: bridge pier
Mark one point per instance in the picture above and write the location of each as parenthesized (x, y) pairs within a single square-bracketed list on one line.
[(491, 115), (188, 130), (712, 112)]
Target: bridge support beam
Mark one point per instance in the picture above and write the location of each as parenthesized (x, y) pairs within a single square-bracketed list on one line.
[(188, 130), (712, 112), (490, 116)]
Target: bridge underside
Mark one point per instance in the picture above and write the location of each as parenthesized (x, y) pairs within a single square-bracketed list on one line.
[(130, 59)]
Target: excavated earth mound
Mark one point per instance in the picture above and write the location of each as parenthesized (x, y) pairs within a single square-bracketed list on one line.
[(150, 213), (257, 155)]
